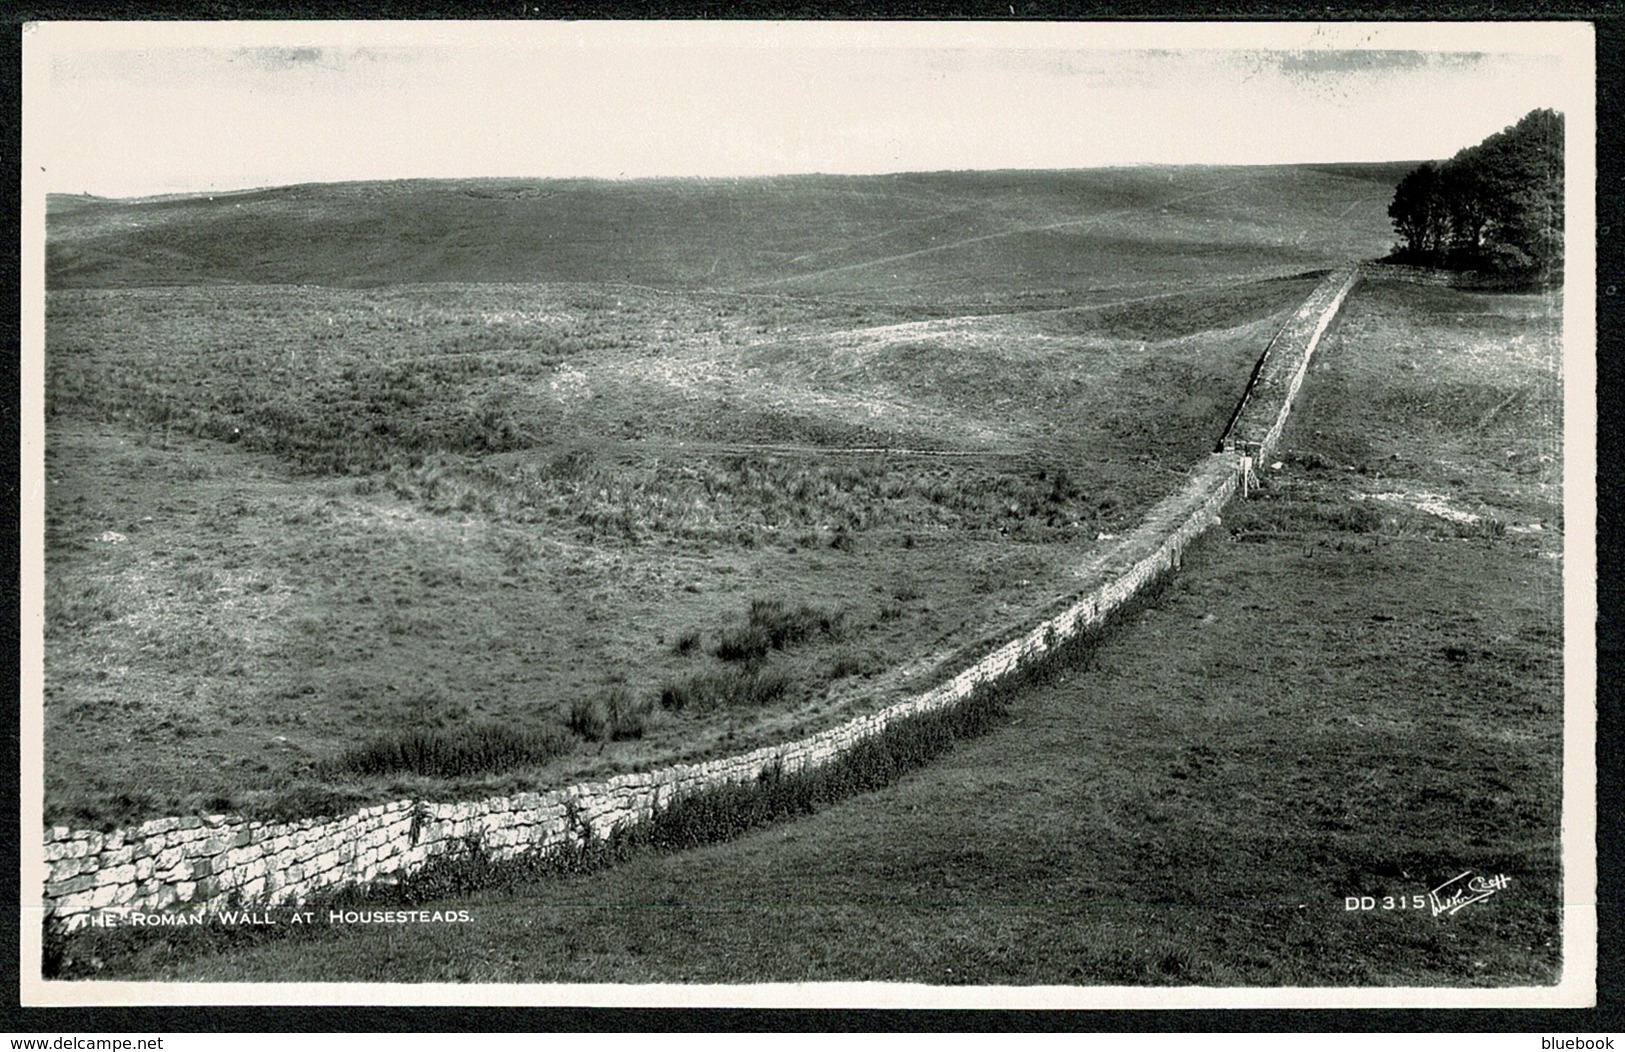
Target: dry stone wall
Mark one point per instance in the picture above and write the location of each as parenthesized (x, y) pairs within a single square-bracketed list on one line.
[(208, 862), (1286, 360)]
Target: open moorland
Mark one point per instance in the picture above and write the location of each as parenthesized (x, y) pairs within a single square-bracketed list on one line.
[(375, 491), (1354, 688)]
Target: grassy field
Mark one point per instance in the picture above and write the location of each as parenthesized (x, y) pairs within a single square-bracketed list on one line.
[(1354, 688), (385, 490)]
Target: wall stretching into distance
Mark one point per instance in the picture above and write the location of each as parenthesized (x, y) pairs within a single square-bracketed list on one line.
[(208, 862)]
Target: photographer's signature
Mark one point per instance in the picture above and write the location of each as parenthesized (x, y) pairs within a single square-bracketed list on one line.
[(1461, 891)]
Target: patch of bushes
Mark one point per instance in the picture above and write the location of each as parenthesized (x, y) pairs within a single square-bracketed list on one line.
[(465, 751), (1293, 515), (850, 663), (1483, 526), (615, 716), (750, 686), (749, 501), (773, 624)]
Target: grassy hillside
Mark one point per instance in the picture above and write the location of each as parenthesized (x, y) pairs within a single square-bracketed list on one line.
[(332, 466), (282, 521), (993, 237), (1354, 689)]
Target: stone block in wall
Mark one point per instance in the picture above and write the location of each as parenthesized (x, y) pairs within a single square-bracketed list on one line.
[(73, 885), (64, 869), (217, 844), (157, 827), (235, 858), (124, 874), (183, 869)]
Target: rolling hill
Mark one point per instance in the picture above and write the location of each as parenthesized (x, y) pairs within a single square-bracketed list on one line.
[(968, 236)]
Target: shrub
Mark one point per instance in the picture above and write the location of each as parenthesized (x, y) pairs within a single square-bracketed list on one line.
[(774, 625), (729, 688), (687, 643), (850, 663), (481, 749), (588, 719), (615, 716), (628, 717)]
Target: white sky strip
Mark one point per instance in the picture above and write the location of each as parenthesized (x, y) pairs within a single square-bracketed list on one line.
[(144, 108)]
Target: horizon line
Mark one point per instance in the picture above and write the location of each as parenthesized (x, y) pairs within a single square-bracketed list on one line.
[(696, 178)]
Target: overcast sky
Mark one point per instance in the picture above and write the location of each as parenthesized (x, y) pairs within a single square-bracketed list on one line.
[(146, 108)]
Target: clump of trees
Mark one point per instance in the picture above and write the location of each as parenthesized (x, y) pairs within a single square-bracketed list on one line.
[(1495, 207)]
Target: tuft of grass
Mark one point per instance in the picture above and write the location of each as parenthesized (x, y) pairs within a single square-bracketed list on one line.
[(851, 663), (465, 751), (588, 719), (299, 801), (750, 686), (773, 624), (124, 808), (615, 716)]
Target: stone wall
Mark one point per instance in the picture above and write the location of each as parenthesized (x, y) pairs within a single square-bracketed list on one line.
[(1275, 385), (201, 863)]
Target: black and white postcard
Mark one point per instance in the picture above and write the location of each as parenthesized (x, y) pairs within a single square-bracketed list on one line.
[(817, 513)]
